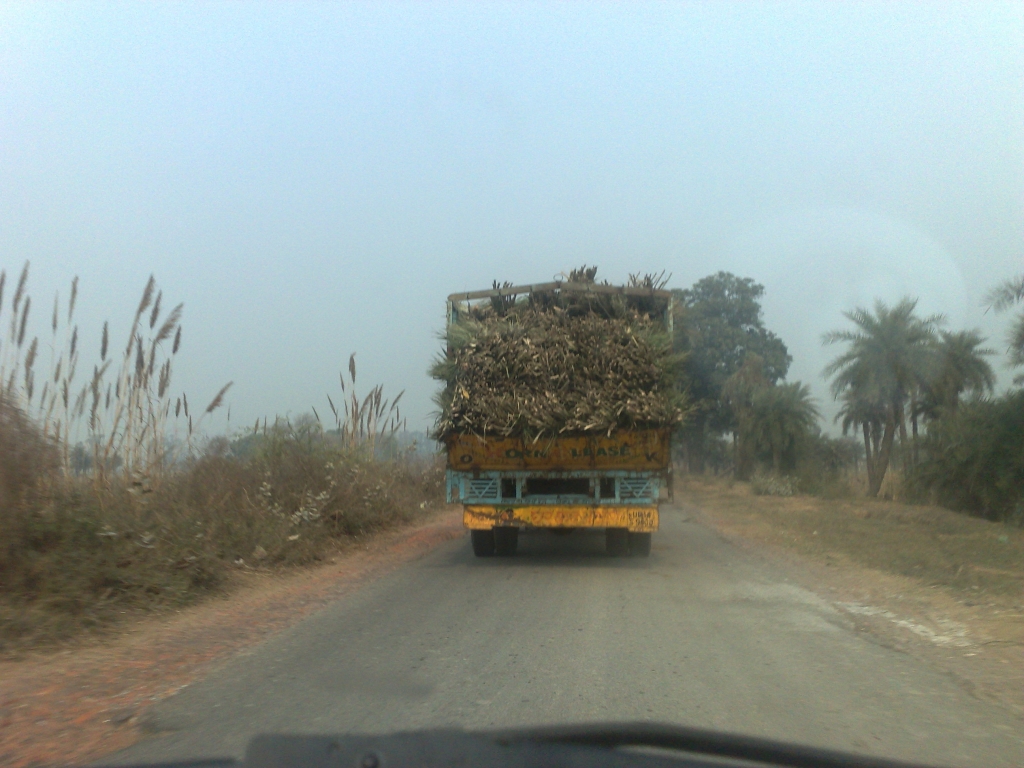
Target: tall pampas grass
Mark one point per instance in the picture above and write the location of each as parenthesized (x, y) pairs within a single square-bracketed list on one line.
[(123, 409), (364, 422)]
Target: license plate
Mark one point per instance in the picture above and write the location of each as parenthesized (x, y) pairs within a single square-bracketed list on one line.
[(641, 518)]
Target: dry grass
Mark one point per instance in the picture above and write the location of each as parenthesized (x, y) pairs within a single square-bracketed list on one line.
[(362, 423), (78, 557), (555, 364), (26, 455), (930, 544), (122, 412), (94, 532)]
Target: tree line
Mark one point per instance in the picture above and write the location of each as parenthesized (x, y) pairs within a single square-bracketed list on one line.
[(733, 372), (913, 394)]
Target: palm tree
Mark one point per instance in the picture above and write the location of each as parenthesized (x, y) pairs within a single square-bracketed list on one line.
[(862, 412), (1003, 297), (888, 352), (960, 368), (781, 415)]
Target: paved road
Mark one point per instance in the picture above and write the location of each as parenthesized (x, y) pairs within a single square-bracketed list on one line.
[(698, 634)]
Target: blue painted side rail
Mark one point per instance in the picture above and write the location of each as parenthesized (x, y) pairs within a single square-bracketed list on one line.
[(532, 488)]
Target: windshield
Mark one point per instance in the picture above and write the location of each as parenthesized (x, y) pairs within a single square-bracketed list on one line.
[(378, 367)]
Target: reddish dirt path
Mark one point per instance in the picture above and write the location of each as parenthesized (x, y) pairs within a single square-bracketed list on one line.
[(78, 705)]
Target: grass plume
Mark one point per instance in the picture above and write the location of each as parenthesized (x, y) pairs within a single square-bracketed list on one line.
[(98, 520), (124, 422)]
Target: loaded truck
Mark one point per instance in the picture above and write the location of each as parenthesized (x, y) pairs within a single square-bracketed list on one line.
[(564, 478)]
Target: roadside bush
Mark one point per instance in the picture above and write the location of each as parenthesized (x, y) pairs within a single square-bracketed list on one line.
[(719, 454), (26, 454), (716, 454), (824, 466), (772, 485), (134, 517), (973, 459), (76, 555)]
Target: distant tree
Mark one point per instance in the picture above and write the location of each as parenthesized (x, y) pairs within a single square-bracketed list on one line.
[(81, 458), (782, 415), (1006, 295), (863, 412), (739, 393), (828, 455), (974, 459), (888, 353), (959, 368), (721, 324)]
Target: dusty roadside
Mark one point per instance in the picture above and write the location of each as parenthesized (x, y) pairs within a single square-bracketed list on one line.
[(945, 588), (78, 704)]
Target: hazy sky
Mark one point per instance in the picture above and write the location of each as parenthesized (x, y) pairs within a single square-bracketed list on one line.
[(313, 180)]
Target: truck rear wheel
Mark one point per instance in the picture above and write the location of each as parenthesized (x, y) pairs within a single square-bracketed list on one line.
[(506, 540), (616, 541), (640, 544), (483, 543)]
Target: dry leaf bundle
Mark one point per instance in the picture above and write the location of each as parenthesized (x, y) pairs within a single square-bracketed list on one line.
[(556, 364)]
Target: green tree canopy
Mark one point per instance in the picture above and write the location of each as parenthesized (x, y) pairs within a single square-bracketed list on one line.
[(782, 415), (975, 458), (739, 393), (720, 325), (959, 368), (888, 353), (1006, 295)]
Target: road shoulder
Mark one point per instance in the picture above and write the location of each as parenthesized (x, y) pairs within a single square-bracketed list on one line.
[(79, 704), (974, 634)]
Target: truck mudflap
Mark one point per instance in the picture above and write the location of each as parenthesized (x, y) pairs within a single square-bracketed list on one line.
[(635, 519)]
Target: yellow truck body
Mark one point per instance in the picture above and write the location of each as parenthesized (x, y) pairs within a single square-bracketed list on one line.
[(634, 519), (612, 482)]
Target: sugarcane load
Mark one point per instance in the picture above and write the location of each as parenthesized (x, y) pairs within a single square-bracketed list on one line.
[(557, 409)]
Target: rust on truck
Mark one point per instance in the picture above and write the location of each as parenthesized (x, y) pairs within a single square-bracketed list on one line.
[(639, 450)]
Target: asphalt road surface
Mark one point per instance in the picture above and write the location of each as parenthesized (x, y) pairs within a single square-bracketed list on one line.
[(698, 634)]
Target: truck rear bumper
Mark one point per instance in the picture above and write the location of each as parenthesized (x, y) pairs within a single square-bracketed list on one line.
[(639, 519)]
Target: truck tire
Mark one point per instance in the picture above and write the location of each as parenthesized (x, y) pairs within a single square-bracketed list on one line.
[(616, 541), (483, 543), (506, 540), (640, 544)]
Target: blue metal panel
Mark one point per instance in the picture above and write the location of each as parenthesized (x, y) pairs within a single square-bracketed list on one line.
[(486, 487)]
